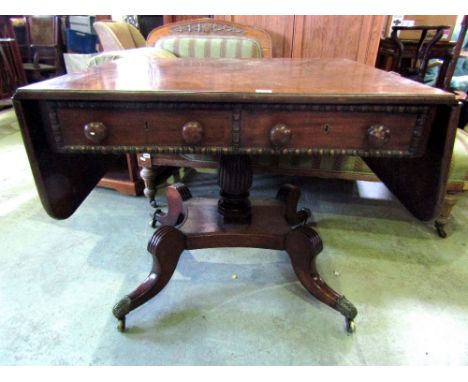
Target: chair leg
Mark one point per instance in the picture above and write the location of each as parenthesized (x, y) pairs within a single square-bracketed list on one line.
[(449, 202)]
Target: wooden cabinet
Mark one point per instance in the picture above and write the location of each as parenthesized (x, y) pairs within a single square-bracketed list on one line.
[(353, 37), (124, 176)]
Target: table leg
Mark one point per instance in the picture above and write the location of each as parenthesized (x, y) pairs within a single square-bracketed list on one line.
[(165, 247), (235, 180), (303, 244), (234, 222)]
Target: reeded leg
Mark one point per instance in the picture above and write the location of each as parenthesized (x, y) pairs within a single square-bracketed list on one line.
[(303, 244), (148, 174), (165, 247), (289, 195), (176, 195), (234, 179)]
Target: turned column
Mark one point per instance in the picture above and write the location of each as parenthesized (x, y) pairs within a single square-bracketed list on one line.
[(148, 174), (235, 180)]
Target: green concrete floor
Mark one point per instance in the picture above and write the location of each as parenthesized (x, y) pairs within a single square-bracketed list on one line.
[(60, 279)]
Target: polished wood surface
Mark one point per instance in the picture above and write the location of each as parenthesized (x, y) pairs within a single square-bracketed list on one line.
[(252, 128), (232, 80), (332, 129), (335, 101), (246, 107), (127, 127)]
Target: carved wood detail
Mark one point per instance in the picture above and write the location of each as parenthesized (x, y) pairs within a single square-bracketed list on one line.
[(201, 27), (421, 112)]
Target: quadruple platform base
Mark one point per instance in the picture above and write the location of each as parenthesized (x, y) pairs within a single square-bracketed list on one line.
[(195, 223)]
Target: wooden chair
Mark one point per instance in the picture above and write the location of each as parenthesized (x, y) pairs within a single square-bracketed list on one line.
[(12, 74), (411, 58), (44, 47), (209, 38)]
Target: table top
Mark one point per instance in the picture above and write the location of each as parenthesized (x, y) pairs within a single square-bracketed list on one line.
[(130, 95), (236, 80)]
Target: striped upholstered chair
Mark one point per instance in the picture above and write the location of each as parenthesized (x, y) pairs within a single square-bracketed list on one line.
[(210, 38)]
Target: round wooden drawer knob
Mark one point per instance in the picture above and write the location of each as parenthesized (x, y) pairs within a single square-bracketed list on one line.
[(280, 135), (96, 132), (192, 132), (378, 135)]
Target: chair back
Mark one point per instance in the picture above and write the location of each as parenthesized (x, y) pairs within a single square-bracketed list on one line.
[(44, 47), (12, 74), (209, 38), (118, 35), (417, 64), (43, 37)]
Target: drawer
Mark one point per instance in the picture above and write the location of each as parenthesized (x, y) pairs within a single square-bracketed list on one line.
[(221, 128), (326, 130), (116, 127)]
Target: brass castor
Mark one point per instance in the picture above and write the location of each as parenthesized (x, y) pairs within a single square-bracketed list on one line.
[(350, 326), (307, 213), (154, 221), (440, 229), (121, 325)]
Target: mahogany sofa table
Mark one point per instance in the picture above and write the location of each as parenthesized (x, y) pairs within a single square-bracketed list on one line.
[(234, 109)]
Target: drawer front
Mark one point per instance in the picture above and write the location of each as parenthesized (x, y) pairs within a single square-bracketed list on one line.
[(360, 131), (365, 130), (101, 127)]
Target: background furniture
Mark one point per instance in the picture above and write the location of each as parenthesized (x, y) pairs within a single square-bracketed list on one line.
[(45, 47), (314, 36), (209, 38), (146, 23), (117, 35), (461, 52), (12, 74), (411, 58)]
